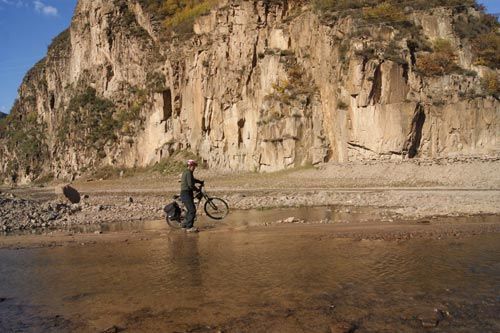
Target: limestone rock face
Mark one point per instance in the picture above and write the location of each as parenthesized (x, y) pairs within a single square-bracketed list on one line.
[(259, 86)]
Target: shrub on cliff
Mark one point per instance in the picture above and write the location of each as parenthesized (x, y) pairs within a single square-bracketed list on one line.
[(156, 82), (486, 49), (385, 11), (440, 62), (61, 45), (25, 140), (89, 120), (343, 4), (340, 5), (483, 33), (426, 4), (180, 14), (129, 118), (491, 84), (173, 164), (471, 26)]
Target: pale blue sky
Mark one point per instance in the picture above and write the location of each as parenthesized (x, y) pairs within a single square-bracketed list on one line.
[(27, 28)]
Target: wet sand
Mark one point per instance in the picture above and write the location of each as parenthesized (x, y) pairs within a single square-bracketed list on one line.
[(352, 225)]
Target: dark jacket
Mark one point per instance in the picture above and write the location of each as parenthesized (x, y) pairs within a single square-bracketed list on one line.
[(188, 181)]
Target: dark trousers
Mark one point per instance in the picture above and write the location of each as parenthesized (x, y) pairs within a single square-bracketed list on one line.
[(188, 201)]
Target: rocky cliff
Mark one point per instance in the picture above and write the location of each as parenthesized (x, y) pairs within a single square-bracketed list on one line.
[(256, 85)]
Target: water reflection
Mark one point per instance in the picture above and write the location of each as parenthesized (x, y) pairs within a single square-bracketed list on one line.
[(236, 218), (277, 280), (184, 258)]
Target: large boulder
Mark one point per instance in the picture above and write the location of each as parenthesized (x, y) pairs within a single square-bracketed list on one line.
[(69, 192)]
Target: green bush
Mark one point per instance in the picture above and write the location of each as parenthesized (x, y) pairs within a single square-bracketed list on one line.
[(175, 163), (126, 119), (25, 138), (89, 120), (168, 166)]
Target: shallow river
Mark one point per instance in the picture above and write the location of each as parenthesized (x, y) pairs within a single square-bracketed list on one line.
[(279, 279)]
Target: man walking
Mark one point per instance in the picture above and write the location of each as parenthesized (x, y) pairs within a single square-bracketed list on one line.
[(187, 187)]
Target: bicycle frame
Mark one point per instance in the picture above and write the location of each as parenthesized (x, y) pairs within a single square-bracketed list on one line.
[(201, 194), (215, 208)]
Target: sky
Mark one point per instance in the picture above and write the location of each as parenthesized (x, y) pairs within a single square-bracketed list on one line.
[(27, 28)]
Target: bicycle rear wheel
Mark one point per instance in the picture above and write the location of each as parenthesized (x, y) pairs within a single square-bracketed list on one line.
[(216, 208), (176, 224)]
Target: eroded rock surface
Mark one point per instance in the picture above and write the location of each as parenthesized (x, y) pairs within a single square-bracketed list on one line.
[(259, 86)]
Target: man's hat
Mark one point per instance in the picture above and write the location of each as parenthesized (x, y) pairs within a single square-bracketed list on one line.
[(192, 162)]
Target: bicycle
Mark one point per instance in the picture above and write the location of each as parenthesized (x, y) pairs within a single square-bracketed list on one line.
[(215, 208)]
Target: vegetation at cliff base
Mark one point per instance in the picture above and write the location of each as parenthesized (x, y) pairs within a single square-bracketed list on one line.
[(171, 165)]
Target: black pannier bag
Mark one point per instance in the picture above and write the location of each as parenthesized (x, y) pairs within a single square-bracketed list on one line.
[(173, 211)]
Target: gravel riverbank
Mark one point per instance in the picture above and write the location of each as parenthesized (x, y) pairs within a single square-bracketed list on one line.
[(404, 190)]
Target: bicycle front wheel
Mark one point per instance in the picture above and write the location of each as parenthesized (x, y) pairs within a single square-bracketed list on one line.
[(216, 208)]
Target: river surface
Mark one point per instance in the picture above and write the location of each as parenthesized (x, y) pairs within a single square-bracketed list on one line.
[(294, 278)]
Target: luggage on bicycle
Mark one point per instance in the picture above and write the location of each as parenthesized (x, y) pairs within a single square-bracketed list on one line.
[(173, 211)]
